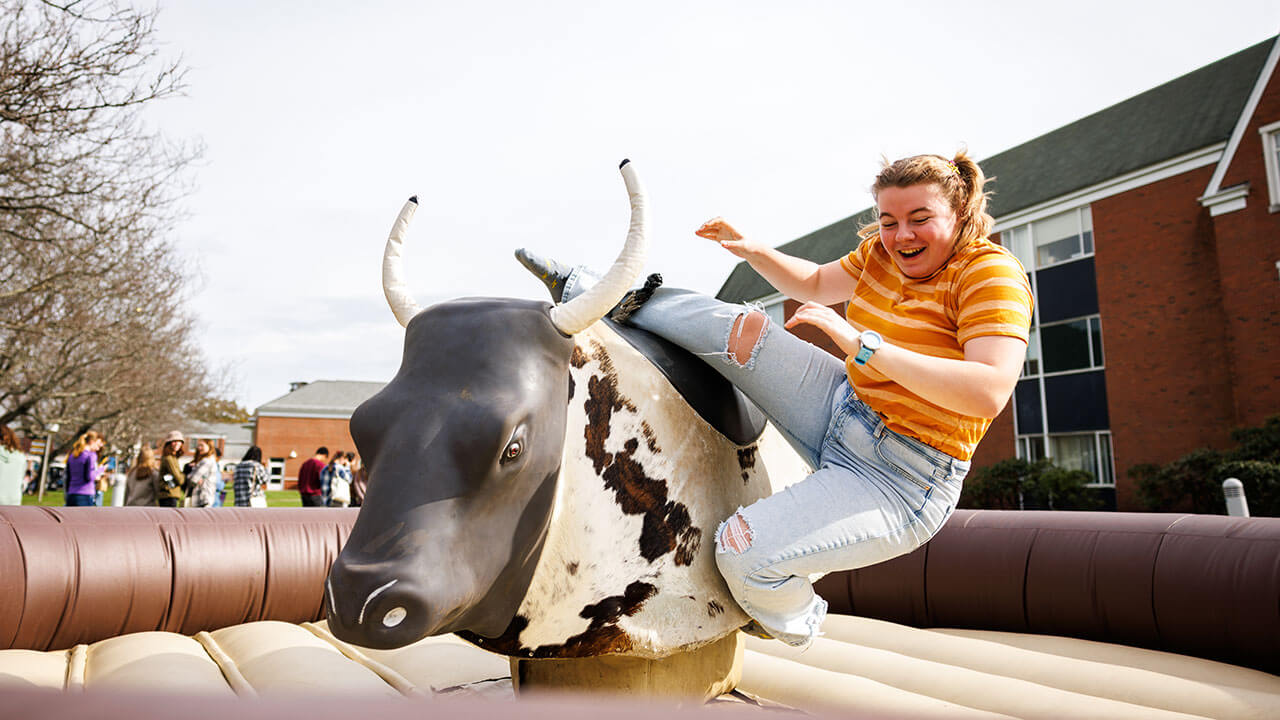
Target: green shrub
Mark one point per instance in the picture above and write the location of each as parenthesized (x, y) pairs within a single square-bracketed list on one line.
[(1016, 484), (1193, 482)]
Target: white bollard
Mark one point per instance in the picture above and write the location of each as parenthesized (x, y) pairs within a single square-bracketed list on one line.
[(1237, 504)]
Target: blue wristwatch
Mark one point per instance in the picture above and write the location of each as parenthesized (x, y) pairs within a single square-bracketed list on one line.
[(870, 341)]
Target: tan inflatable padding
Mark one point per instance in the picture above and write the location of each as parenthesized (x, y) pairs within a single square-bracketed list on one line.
[(860, 666), (437, 664), (1136, 683), (154, 662), (795, 684), (1000, 694), (280, 657), (33, 669), (1172, 664)]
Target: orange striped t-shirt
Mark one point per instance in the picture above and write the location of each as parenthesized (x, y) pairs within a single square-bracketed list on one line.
[(983, 290)]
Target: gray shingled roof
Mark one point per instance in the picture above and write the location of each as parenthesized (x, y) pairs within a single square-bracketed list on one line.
[(322, 397), (1183, 115)]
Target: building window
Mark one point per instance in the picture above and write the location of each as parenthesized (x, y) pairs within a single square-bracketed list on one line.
[(275, 473), (1072, 345), (1031, 366), (1090, 452), (1052, 240), (1271, 157)]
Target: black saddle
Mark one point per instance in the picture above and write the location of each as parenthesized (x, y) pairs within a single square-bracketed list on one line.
[(714, 398)]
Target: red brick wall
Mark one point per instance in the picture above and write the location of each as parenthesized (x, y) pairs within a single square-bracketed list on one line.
[(278, 436), (1168, 378), (1248, 246)]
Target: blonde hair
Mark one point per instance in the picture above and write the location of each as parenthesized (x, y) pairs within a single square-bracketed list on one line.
[(960, 180), (146, 460), (83, 442)]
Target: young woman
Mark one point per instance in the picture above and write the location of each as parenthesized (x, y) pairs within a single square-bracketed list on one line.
[(934, 335), (171, 481), (202, 481), (250, 480), (13, 464), (140, 483), (83, 470)]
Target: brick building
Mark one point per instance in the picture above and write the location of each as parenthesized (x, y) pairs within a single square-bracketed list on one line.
[(291, 427), (1151, 234)]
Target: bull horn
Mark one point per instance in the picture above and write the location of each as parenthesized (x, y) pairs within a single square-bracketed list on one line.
[(580, 312), (393, 285)]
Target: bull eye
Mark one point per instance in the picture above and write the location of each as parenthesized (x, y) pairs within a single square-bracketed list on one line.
[(512, 452)]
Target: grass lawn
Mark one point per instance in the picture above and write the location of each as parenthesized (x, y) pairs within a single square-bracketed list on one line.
[(275, 498)]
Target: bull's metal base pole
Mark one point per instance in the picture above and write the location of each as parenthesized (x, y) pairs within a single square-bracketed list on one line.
[(44, 467), (688, 678)]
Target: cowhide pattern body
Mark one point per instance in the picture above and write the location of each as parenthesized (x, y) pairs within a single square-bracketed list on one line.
[(628, 566)]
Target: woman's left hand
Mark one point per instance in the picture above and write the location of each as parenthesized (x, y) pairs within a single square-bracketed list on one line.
[(829, 322)]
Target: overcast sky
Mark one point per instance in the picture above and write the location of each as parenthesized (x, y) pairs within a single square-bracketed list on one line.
[(508, 120)]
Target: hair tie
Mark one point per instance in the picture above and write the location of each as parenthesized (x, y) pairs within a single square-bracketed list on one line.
[(954, 169)]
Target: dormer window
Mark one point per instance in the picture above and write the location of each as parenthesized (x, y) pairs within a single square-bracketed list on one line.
[(1271, 153)]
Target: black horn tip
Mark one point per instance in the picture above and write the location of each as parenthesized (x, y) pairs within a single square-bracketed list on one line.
[(623, 163), (413, 199)]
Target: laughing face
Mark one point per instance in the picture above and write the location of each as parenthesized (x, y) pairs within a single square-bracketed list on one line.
[(917, 228)]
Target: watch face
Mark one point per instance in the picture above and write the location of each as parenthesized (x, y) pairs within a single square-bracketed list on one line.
[(871, 340)]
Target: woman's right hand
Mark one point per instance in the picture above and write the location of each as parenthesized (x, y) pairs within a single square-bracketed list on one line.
[(730, 239)]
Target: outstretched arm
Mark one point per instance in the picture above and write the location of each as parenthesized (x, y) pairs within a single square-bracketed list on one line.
[(794, 277)]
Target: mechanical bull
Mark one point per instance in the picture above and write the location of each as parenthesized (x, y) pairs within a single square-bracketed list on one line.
[(545, 482)]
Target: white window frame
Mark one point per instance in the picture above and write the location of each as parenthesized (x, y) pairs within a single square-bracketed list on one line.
[(1104, 473), (1271, 158), (275, 481), (1088, 339)]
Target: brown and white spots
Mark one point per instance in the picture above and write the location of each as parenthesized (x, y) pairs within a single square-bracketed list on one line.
[(572, 568), (746, 461), (714, 608), (650, 438)]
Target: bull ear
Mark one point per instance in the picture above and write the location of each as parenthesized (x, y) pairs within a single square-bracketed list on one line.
[(577, 314), (393, 284)]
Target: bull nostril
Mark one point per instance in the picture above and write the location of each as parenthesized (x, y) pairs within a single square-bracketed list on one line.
[(394, 617)]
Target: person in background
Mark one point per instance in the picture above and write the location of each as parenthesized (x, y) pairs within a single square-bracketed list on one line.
[(13, 463), (119, 481), (221, 488), (140, 483), (171, 480), (106, 468), (309, 478), (83, 470), (359, 481), (203, 478), (250, 480), (326, 478), (340, 481)]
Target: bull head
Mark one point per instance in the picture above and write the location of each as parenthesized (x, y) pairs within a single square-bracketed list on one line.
[(463, 449)]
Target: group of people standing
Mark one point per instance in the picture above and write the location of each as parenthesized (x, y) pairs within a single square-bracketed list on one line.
[(167, 482), (337, 481)]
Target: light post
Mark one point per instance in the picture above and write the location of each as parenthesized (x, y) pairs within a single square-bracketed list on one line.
[(44, 464)]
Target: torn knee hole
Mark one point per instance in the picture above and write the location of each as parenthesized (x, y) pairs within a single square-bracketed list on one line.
[(746, 333), (735, 535)]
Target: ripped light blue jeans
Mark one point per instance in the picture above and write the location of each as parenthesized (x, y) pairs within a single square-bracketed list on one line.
[(875, 494)]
